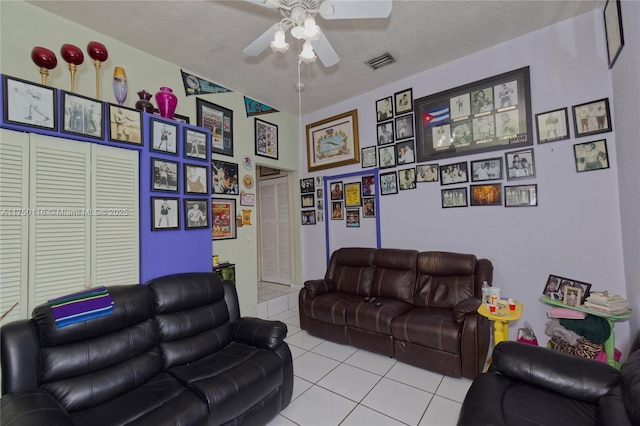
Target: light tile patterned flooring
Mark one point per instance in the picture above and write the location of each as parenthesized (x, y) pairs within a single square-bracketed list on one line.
[(342, 385)]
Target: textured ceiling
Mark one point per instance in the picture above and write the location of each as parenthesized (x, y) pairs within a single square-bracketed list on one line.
[(207, 39)]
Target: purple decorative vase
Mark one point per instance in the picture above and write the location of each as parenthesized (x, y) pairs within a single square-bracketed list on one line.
[(167, 102), (144, 104)]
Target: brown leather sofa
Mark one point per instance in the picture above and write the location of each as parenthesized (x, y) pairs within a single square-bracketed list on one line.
[(424, 311)]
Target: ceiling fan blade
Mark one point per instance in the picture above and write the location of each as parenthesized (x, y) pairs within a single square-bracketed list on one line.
[(261, 43), (325, 51), (271, 4), (355, 9)]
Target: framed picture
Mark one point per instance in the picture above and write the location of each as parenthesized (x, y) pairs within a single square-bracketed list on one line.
[(454, 173), (613, 30), (427, 173), (224, 178), (384, 109), (592, 118), (320, 204), (368, 186), (368, 157), (521, 196), (333, 142), (353, 218), (387, 157), (591, 156), (385, 133), (307, 200), (266, 139), (520, 164), (556, 285), (352, 194), (125, 125), (336, 191), (454, 198), (388, 183), (82, 116), (307, 185), (196, 179), (552, 126), (572, 296), (223, 217), (404, 127), (486, 195), (369, 207), (407, 178), (196, 213), (164, 136), (552, 288), (308, 217), (165, 213), (247, 199), (487, 169), (403, 100), (319, 193), (486, 115), (165, 175), (29, 104), (405, 153), (219, 121), (195, 144), (337, 212)]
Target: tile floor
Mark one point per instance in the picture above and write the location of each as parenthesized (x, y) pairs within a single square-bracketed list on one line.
[(342, 385)]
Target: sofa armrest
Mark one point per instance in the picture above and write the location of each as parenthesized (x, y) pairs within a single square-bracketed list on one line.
[(464, 308), (258, 332), (319, 287), (30, 408), (579, 378)]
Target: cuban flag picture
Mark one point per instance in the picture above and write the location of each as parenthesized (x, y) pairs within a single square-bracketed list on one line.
[(436, 116)]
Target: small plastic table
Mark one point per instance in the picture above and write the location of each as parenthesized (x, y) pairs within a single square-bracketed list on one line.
[(501, 318)]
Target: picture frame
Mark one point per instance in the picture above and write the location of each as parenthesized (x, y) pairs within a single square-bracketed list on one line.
[(369, 207), (176, 117), (384, 109), (486, 169), (307, 200), (125, 125), (556, 285), (613, 30), (404, 127), (520, 164), (164, 136), (307, 185), (591, 156), (486, 195), (521, 195), (165, 213), (164, 175), (337, 210), (572, 296), (353, 194), (403, 101), (196, 144), (407, 178), (385, 133), (454, 197), (405, 152), (444, 121), (353, 218), (427, 173), (552, 126), (336, 191), (388, 183), (196, 179), (83, 116), (196, 213), (451, 174), (224, 178), (247, 199), (266, 142), (386, 157), (333, 142), (308, 217), (592, 118), (369, 157), (219, 121), (368, 186), (29, 104), (223, 219)]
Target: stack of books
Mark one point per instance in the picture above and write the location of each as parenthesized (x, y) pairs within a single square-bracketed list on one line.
[(607, 303)]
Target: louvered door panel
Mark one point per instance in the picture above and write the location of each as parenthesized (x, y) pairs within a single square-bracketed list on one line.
[(268, 230), (284, 235)]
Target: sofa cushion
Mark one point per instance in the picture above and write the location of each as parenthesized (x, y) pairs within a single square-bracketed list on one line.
[(331, 307), (430, 327), (630, 383), (444, 279), (395, 274), (368, 316), (351, 270)]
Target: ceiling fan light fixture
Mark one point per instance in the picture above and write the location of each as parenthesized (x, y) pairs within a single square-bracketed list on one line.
[(307, 55), (311, 30), (279, 44), (297, 32)]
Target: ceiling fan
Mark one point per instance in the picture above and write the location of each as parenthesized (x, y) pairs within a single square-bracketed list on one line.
[(299, 17)]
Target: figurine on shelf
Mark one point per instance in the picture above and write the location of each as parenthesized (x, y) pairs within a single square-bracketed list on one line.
[(144, 103), (74, 57), (97, 52), (45, 59), (120, 84)]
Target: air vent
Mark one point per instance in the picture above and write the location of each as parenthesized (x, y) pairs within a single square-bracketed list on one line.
[(381, 61)]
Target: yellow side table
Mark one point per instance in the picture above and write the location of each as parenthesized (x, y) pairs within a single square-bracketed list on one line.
[(501, 318)]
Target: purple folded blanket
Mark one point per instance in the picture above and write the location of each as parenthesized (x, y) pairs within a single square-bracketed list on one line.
[(81, 306)]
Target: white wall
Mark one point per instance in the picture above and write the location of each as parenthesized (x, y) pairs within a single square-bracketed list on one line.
[(574, 232)]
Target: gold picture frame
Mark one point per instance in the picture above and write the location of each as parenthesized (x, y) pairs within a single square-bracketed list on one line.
[(333, 142)]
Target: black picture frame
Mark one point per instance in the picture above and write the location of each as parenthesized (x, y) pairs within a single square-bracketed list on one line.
[(386, 157), (307, 200), (404, 127), (196, 218), (503, 98), (219, 121), (552, 126), (196, 179), (368, 157), (368, 186), (384, 109), (165, 210), (336, 191), (520, 164), (486, 195), (388, 183), (337, 210), (403, 101), (352, 194), (521, 195), (454, 197), (82, 116), (308, 217), (307, 185), (353, 218), (125, 125), (163, 170), (369, 207), (195, 144), (266, 139), (427, 173), (591, 118), (164, 136), (407, 178), (224, 178), (486, 169), (555, 285), (454, 173), (224, 225), (405, 152), (29, 104), (613, 30), (590, 156), (385, 133)]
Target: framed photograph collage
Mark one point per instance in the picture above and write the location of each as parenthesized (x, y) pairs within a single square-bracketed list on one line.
[(312, 198), (353, 201)]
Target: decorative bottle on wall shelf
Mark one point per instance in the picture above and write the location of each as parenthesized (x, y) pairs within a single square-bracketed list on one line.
[(167, 102), (120, 84), (144, 103)]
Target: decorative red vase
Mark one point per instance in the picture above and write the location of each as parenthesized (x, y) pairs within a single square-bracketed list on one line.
[(167, 102), (144, 103)]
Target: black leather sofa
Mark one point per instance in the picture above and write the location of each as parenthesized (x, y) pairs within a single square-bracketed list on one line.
[(173, 352), (528, 385)]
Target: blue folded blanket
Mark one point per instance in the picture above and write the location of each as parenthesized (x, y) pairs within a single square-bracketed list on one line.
[(81, 306)]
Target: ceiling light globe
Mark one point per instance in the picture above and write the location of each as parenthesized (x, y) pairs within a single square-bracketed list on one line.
[(279, 44), (297, 32), (307, 55), (311, 30)]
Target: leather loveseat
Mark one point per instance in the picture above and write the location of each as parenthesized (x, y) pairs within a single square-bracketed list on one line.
[(173, 352), (529, 385), (423, 312)]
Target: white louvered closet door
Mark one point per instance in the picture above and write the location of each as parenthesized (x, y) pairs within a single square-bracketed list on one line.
[(275, 235)]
